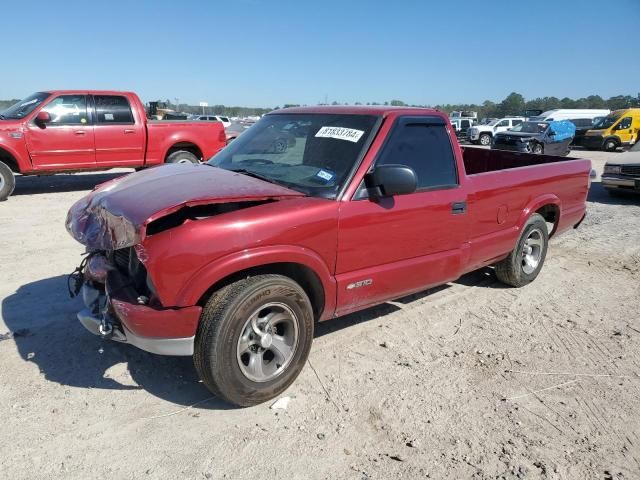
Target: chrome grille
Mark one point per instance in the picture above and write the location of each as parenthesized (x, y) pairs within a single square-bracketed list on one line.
[(630, 170)]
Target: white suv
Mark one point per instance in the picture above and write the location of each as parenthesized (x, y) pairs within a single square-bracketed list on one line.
[(215, 118), (483, 134)]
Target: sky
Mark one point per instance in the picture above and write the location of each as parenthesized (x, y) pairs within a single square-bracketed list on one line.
[(271, 52)]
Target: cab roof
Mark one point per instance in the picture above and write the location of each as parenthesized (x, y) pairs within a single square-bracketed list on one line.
[(379, 110), (81, 91)]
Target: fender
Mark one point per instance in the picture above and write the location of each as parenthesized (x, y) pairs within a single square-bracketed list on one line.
[(217, 270), (19, 152), (537, 203)]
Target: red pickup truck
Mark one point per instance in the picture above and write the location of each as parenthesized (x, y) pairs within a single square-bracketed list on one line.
[(234, 261), (68, 131)]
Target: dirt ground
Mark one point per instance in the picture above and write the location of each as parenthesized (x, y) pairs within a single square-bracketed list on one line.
[(470, 380)]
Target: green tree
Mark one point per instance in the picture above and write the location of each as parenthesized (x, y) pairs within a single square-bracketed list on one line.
[(512, 105)]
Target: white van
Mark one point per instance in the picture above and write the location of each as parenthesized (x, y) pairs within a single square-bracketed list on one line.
[(569, 114)]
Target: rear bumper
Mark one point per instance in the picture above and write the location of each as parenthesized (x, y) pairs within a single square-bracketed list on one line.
[(163, 331)]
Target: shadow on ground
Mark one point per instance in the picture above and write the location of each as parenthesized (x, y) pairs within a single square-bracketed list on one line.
[(46, 332), (599, 194), (31, 184)]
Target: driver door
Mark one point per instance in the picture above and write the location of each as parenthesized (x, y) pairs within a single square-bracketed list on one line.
[(67, 141), (392, 246)]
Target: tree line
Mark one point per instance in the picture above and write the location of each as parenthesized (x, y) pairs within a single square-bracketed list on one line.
[(513, 104)]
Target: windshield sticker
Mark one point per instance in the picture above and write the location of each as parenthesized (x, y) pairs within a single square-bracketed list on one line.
[(340, 133), (325, 175)]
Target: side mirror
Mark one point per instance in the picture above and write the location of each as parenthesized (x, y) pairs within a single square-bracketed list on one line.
[(43, 117), (390, 180)]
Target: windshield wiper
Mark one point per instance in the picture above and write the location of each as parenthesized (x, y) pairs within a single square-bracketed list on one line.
[(253, 174), (280, 183), (2, 117)]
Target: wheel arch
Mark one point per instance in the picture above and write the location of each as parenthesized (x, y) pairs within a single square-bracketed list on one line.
[(184, 145), (9, 159), (548, 206), (304, 267), (615, 138)]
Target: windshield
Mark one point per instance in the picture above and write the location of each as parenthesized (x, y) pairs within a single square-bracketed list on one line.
[(606, 122), (493, 123), (24, 107), (311, 153), (530, 127)]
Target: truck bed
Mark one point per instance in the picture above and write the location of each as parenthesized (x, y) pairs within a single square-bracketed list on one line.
[(480, 160)]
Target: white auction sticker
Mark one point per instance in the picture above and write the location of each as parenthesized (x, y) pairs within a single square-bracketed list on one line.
[(341, 133)]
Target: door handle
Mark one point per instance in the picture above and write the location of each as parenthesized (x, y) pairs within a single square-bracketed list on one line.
[(458, 207), (80, 132), (128, 130)]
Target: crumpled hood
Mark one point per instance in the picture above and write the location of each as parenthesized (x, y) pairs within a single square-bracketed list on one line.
[(115, 214)]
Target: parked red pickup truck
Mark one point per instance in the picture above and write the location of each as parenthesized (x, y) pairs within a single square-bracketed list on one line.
[(74, 130), (234, 261)]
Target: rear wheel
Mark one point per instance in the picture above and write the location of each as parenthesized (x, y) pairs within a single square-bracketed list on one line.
[(7, 181), (485, 139), (254, 338), (182, 156), (525, 261)]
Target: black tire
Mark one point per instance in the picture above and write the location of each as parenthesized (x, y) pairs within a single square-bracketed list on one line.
[(280, 145), (182, 156), (537, 148), (485, 139), (222, 323), (511, 270), (7, 181), (610, 145)]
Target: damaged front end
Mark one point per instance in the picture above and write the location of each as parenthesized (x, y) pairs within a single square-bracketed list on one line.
[(119, 304), (114, 222)]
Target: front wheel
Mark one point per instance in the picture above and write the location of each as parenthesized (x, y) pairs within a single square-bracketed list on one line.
[(485, 139), (254, 338), (525, 261), (538, 149), (7, 181), (610, 145)]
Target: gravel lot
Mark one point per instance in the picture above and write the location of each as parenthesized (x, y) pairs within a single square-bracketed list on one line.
[(470, 380)]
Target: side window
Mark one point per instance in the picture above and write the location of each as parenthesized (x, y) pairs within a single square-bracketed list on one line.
[(112, 109), (503, 123), (624, 124), (426, 148), (516, 122), (68, 110)]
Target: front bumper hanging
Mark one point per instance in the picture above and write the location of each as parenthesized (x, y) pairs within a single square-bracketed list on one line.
[(114, 310)]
